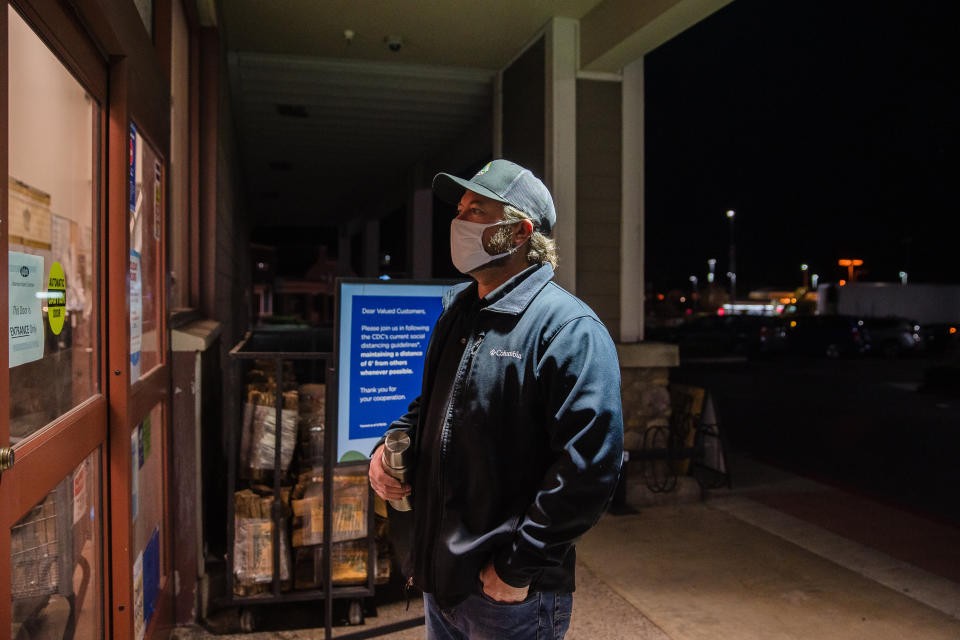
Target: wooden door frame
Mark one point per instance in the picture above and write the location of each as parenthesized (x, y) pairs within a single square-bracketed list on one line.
[(131, 403), (139, 93), (58, 448), (5, 563), (130, 86)]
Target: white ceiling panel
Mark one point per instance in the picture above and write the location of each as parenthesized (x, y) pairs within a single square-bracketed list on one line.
[(312, 127)]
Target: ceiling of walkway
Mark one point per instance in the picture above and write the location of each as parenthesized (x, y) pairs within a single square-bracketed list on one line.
[(462, 33), (323, 123), (320, 137)]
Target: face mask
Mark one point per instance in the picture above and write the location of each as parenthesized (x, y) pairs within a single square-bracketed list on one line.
[(466, 245)]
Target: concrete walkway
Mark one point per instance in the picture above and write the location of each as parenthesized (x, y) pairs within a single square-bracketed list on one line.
[(699, 572), (758, 562)]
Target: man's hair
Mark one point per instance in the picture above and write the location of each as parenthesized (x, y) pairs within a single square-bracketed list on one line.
[(541, 248)]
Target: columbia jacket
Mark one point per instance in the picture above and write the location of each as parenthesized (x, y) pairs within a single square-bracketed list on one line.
[(530, 451)]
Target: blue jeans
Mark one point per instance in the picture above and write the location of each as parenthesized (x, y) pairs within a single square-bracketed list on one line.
[(542, 616)]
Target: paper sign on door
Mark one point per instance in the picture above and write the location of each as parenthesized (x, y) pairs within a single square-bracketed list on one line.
[(136, 315), (26, 308)]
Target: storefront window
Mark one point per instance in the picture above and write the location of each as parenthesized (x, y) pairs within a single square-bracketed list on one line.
[(53, 287), (146, 230), (56, 561)]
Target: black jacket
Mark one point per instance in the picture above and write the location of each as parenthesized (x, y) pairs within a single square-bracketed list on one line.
[(531, 447)]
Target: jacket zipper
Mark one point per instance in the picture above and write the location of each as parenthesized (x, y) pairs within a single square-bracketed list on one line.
[(465, 361)]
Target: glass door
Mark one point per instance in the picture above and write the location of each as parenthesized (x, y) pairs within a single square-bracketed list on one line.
[(53, 413)]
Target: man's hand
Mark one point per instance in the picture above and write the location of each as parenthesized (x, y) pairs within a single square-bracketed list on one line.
[(385, 485), (499, 590)]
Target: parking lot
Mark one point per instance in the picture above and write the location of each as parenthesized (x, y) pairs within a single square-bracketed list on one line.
[(861, 423)]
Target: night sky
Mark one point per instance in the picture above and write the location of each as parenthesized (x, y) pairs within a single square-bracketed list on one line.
[(831, 127)]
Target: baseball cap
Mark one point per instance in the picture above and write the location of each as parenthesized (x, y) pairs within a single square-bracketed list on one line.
[(505, 182)]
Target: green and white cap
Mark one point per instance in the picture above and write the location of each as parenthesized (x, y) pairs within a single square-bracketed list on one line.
[(505, 182)]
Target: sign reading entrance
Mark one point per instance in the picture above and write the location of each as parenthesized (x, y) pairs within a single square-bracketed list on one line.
[(26, 308)]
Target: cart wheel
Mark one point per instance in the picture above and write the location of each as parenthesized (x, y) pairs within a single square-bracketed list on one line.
[(355, 614), (246, 621), (230, 620)]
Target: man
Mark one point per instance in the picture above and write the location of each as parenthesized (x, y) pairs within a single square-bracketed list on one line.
[(517, 435)]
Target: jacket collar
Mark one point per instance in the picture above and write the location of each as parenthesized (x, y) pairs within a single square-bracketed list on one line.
[(512, 297), (515, 295)]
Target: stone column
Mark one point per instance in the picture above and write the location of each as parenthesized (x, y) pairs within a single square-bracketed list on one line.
[(644, 366), (644, 376)]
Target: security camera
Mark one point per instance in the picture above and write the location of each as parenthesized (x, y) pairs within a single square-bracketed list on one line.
[(394, 43)]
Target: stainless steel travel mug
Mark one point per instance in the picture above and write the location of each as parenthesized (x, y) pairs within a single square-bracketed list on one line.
[(395, 457)]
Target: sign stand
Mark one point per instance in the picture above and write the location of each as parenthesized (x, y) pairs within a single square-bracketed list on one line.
[(391, 306)]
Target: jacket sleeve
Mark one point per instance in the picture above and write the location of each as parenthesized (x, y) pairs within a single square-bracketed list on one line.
[(407, 422), (579, 380)]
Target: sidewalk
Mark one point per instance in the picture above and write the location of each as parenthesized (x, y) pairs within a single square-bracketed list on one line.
[(781, 557), (778, 557)]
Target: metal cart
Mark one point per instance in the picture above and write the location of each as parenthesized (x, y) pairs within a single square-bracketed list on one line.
[(299, 348)]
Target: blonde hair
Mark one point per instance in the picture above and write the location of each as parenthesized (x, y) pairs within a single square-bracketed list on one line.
[(540, 248)]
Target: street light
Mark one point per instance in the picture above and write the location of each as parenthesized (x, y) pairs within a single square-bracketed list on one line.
[(731, 215), (712, 264), (903, 278), (806, 271), (850, 264), (815, 280)]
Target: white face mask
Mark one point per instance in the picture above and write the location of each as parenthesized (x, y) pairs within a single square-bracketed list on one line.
[(466, 245)]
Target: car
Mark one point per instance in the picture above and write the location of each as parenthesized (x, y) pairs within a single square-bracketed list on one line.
[(892, 336), (705, 336), (741, 335), (940, 337), (757, 335), (831, 336), (772, 336)]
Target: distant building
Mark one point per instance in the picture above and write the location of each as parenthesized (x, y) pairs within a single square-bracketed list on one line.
[(925, 303)]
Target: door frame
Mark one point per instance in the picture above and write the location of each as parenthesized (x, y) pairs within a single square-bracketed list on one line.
[(52, 453), (129, 404), (105, 46)]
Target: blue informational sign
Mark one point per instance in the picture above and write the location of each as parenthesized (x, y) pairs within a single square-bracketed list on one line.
[(151, 576), (383, 333), (132, 186)]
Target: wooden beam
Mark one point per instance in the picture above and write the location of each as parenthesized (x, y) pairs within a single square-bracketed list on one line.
[(617, 32)]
